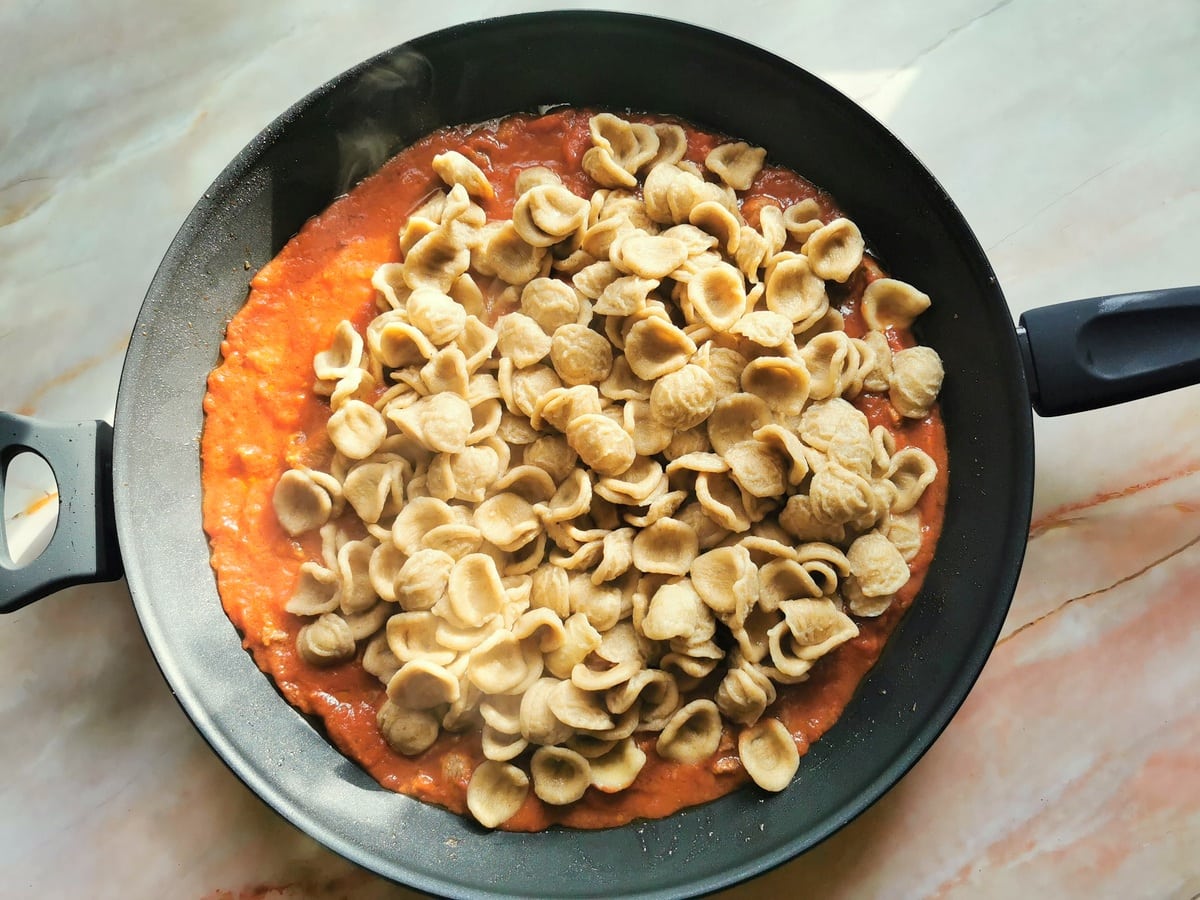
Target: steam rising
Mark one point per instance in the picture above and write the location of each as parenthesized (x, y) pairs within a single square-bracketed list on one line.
[(389, 90)]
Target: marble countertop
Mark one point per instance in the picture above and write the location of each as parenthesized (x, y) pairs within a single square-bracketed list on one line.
[(1068, 134)]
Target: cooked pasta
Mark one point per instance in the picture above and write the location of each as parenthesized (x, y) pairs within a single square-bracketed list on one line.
[(639, 502)]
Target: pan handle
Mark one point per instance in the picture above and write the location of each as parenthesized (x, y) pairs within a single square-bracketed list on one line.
[(1092, 353), (84, 545)]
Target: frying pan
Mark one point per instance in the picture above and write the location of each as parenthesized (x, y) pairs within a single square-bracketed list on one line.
[(137, 485)]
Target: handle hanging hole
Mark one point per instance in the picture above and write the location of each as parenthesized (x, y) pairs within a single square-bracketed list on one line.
[(30, 494)]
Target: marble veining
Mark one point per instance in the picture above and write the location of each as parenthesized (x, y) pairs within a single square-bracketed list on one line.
[(1067, 134)]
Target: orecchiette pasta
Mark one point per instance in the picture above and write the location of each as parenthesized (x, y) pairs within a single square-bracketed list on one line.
[(745, 692), (545, 214), (407, 731), (357, 429), (302, 501), (454, 168), (618, 767), (326, 641), (915, 380), (684, 398), (737, 164), (769, 754), (421, 684), (609, 473), (560, 775), (835, 250), (522, 339), (580, 355), (655, 347), (692, 734), (888, 303), (495, 792)]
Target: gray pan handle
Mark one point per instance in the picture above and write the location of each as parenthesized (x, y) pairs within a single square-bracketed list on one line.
[(1092, 353), (84, 546)]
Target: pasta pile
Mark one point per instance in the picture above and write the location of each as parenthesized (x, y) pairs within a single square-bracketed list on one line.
[(635, 505)]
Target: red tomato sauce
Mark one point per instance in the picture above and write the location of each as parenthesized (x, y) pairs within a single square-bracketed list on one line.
[(263, 417)]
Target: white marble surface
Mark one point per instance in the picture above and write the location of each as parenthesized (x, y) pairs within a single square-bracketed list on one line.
[(1069, 134)]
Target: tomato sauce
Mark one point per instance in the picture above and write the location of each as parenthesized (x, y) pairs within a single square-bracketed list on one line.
[(263, 417)]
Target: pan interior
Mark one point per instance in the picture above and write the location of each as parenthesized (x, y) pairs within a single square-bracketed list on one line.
[(342, 132)]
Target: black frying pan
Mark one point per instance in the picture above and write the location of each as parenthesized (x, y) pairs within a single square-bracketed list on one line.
[(146, 491)]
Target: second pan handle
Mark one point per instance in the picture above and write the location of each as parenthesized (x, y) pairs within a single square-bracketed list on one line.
[(84, 545), (1092, 353)]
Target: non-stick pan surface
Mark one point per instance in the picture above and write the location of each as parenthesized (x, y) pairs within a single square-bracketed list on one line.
[(340, 133)]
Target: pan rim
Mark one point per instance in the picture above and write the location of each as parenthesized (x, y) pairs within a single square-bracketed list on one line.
[(157, 631)]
